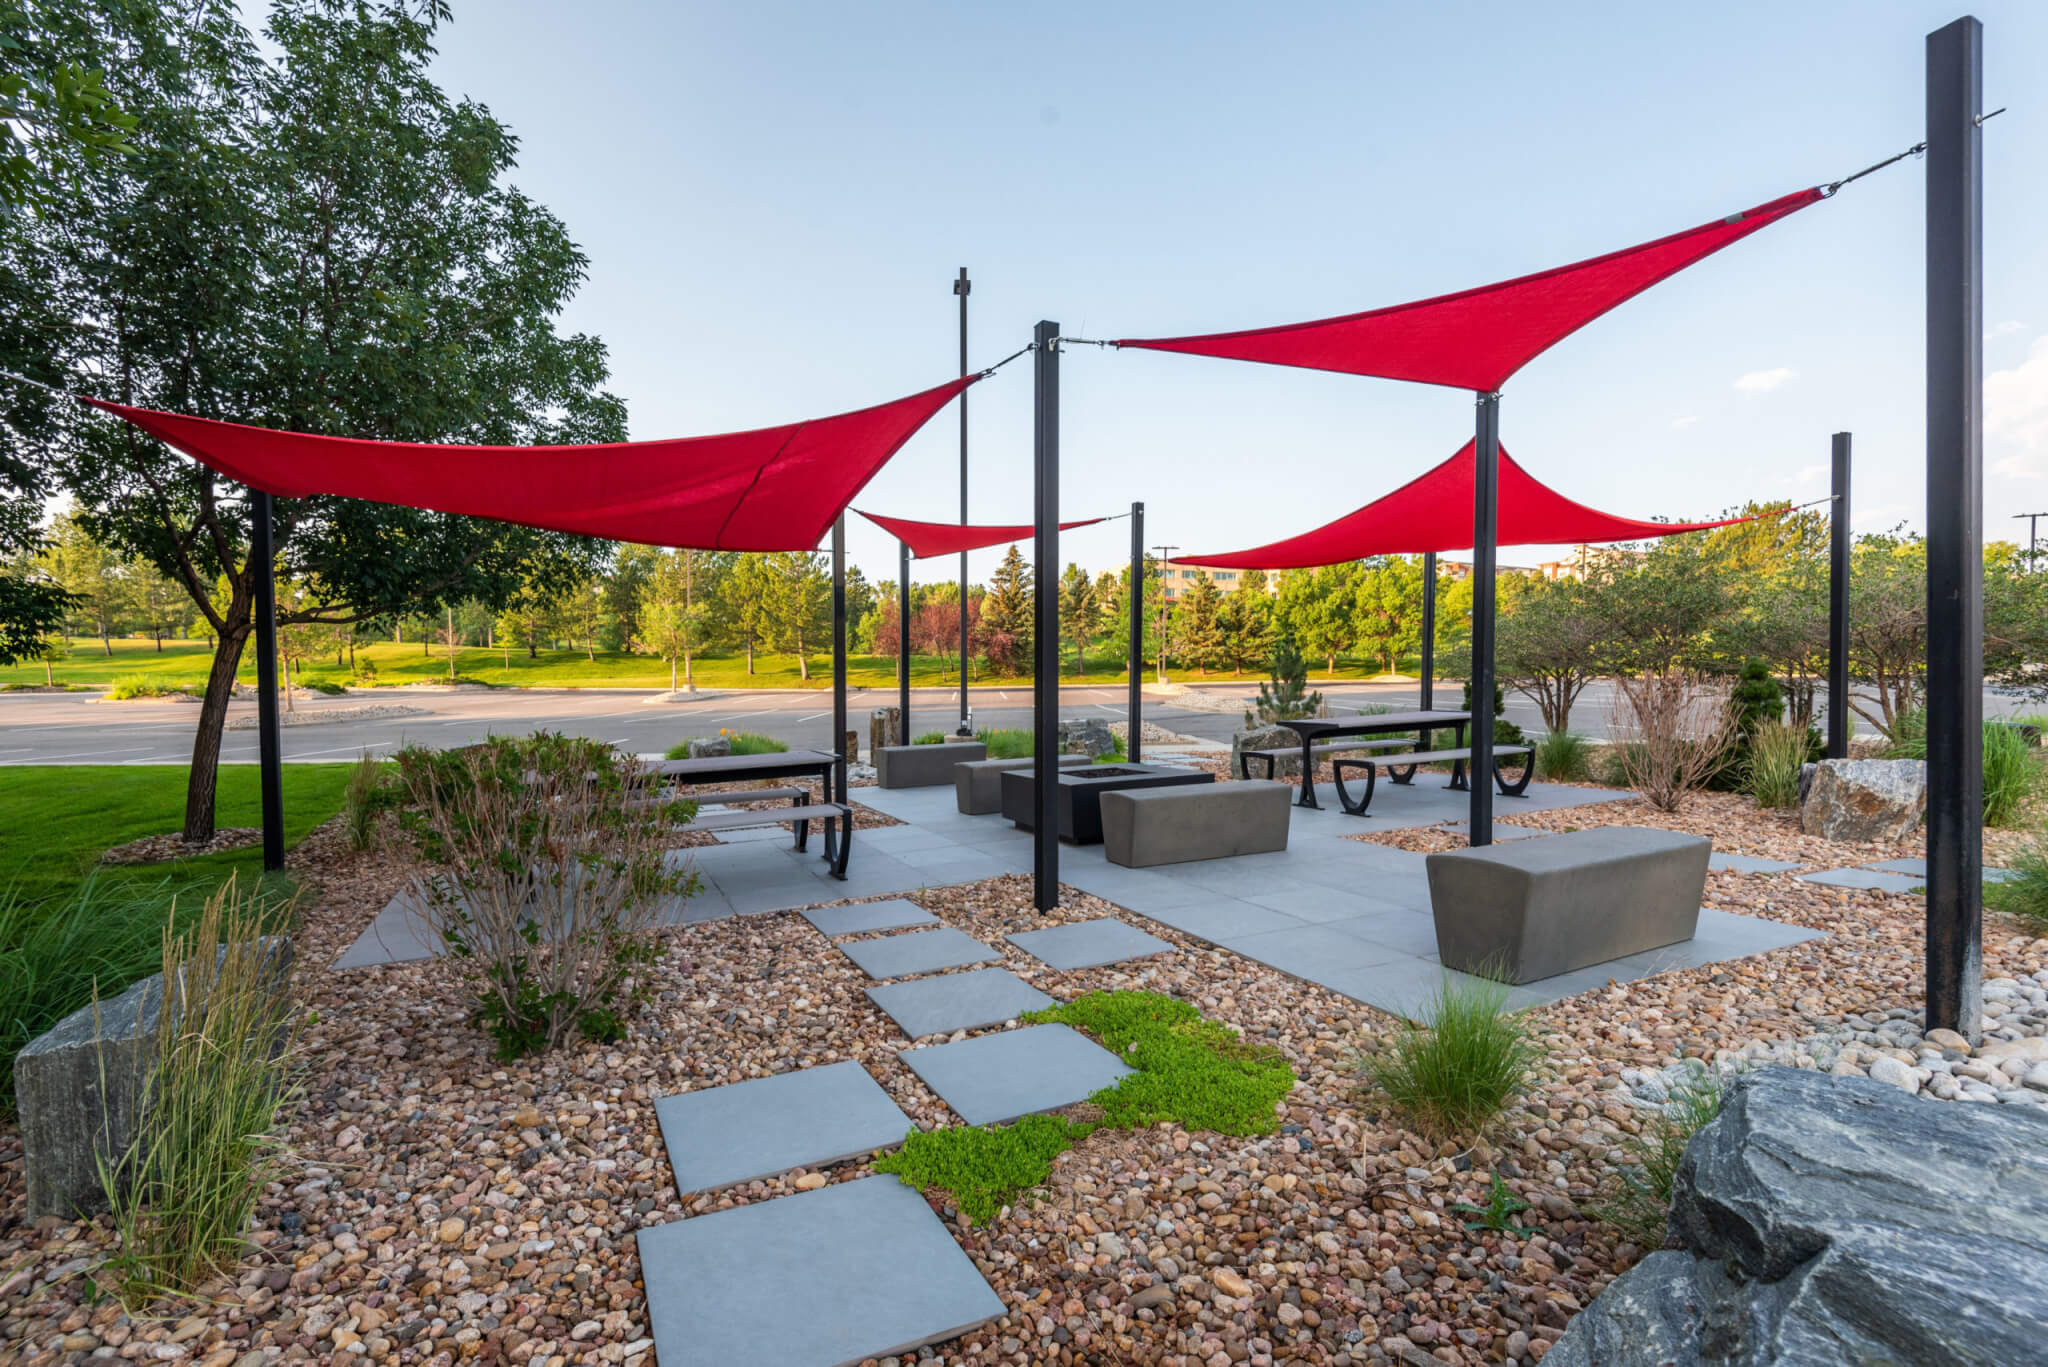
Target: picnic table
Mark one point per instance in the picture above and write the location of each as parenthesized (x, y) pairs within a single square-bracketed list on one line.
[(1315, 731), (819, 764)]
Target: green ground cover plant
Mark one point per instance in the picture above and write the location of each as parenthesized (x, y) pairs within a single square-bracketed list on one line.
[(1454, 1071), (2025, 894), (1497, 1216), (142, 686), (1007, 742), (930, 738), (1190, 1071)]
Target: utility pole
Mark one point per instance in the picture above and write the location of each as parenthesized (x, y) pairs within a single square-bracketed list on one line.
[(1165, 554), (962, 287), (2033, 529)]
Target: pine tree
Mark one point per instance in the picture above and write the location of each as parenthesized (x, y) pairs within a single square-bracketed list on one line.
[(1006, 615), (1285, 696), (1198, 627), (1079, 612)]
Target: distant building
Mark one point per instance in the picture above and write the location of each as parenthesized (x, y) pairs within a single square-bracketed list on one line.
[(1462, 569), (1178, 576), (1590, 557)]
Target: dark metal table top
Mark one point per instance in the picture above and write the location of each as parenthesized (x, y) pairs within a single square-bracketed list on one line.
[(726, 768), (1366, 723)]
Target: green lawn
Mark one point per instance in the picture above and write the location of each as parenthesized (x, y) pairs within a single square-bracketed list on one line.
[(184, 663), (56, 820)]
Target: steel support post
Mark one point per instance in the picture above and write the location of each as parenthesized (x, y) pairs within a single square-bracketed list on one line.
[(1485, 519), (839, 655), (1428, 630), (1046, 621), (1134, 709), (1840, 715), (1955, 529), (270, 741), (903, 642), (962, 286)]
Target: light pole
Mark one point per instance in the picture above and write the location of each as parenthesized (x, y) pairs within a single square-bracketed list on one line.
[(1165, 554), (2033, 528)]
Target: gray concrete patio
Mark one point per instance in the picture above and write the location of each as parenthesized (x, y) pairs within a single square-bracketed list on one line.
[(1350, 916)]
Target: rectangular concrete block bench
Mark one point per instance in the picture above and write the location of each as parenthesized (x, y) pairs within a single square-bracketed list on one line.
[(1532, 909), (924, 766), (1148, 826), (978, 783)]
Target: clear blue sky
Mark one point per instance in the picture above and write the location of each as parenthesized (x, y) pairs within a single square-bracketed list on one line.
[(775, 198)]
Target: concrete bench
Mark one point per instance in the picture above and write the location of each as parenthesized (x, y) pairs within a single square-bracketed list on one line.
[(978, 783), (924, 766), (1146, 826), (1532, 909)]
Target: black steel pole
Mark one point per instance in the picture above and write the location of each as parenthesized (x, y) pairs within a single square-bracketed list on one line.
[(839, 655), (1134, 710), (962, 287), (1955, 529), (270, 740), (1485, 516), (903, 643), (1428, 630), (1839, 712), (1045, 638)]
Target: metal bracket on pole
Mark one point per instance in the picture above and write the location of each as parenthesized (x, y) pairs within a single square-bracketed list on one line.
[(1955, 529), (1485, 519), (1840, 715), (1046, 624), (1134, 711), (270, 741)]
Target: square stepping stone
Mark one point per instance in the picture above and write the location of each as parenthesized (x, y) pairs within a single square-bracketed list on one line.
[(873, 1272), (886, 915), (999, 1077), (1865, 880), (924, 951), (1089, 944), (745, 1130), (1748, 863), (957, 1001), (1917, 868)]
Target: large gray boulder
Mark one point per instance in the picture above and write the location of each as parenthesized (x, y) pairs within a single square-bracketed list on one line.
[(1088, 736), (710, 747), (1837, 1220), (1266, 738), (1864, 800), (79, 1090)]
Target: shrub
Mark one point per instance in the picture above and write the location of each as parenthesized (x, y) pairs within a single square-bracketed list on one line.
[(1505, 732), (1777, 749), (140, 686), (932, 738), (1191, 1072), (332, 690), (1639, 1203), (206, 1142), (752, 743), (1672, 730), (1562, 757), (1755, 699), (369, 793), (555, 876), (1454, 1072), (1007, 742), (2011, 775), (2025, 894), (1285, 695)]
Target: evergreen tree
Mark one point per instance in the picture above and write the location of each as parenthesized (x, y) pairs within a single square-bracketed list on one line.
[(1006, 627), (1285, 695), (1080, 611), (1197, 624), (797, 604), (1248, 622)]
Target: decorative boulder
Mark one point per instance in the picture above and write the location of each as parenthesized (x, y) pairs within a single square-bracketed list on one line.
[(1086, 736), (885, 727), (708, 747), (1864, 800), (1266, 738), (1837, 1220)]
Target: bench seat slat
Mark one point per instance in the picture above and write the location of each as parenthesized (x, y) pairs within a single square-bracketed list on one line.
[(1332, 748), (1445, 756), (743, 795), (774, 816)]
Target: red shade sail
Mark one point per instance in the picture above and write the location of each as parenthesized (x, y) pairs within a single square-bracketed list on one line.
[(1433, 512), (773, 489), (927, 539), (1477, 338)]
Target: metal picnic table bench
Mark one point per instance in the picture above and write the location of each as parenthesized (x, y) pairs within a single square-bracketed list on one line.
[(1325, 736)]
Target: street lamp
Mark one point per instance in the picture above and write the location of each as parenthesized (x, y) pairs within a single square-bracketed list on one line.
[(1165, 554)]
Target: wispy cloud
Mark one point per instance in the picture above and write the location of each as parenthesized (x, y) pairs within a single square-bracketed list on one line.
[(1689, 420), (1806, 474), (1764, 381), (2016, 411), (2010, 327)]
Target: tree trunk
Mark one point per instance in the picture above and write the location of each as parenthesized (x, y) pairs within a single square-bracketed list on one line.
[(106, 643), (671, 674), (203, 782), (532, 647), (750, 655), (1333, 664)]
